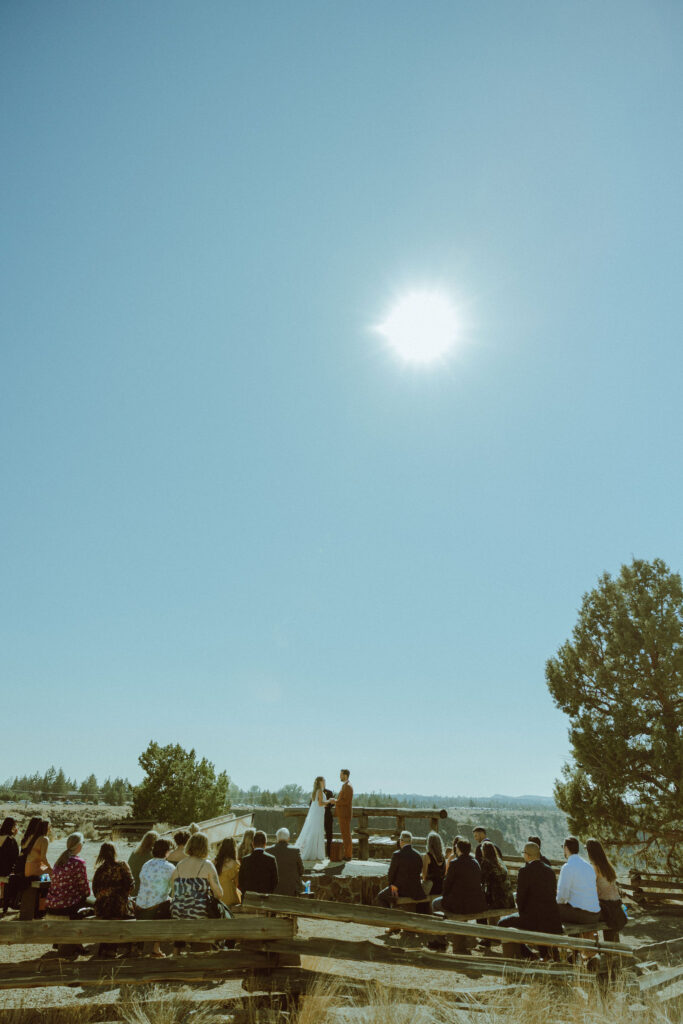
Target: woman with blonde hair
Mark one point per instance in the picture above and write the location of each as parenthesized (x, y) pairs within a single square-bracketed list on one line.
[(140, 855), (433, 865), (196, 890), (247, 845), (311, 841)]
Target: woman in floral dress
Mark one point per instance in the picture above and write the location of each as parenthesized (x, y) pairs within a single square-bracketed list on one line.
[(112, 886)]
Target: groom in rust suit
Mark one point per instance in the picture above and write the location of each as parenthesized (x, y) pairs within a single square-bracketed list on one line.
[(343, 804)]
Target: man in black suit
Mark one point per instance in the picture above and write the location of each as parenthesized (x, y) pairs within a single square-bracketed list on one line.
[(258, 870), (536, 898), (479, 833), (329, 822), (462, 891), (290, 867), (405, 876), (537, 840)]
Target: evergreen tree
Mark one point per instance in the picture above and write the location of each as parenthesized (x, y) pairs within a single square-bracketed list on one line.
[(177, 787), (89, 788), (60, 787), (620, 680)]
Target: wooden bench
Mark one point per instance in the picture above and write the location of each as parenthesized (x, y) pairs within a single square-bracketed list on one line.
[(4, 882), (608, 934)]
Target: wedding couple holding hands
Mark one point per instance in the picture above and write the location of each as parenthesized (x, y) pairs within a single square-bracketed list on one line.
[(316, 835)]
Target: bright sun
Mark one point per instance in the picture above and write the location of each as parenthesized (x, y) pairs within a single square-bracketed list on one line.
[(422, 327)]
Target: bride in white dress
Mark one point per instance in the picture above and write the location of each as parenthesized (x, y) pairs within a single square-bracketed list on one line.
[(311, 841)]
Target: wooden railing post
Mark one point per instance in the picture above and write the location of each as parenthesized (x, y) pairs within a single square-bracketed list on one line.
[(400, 826), (363, 837)]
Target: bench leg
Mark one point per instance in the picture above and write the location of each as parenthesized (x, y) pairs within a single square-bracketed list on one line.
[(29, 904)]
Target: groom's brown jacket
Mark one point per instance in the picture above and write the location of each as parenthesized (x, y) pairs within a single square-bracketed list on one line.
[(344, 801)]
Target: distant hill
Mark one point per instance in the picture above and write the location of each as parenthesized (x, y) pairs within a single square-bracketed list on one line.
[(527, 801)]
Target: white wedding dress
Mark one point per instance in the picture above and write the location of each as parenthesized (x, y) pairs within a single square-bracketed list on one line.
[(311, 841)]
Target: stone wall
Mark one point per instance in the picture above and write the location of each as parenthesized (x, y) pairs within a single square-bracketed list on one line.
[(348, 888)]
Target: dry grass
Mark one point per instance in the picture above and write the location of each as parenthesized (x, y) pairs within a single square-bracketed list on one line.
[(535, 1003), (331, 1001)]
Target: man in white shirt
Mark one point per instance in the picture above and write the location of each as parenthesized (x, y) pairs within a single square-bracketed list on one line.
[(577, 891)]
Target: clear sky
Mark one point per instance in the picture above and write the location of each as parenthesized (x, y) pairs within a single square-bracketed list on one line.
[(231, 517)]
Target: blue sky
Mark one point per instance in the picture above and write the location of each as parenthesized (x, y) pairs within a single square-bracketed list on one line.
[(231, 517)]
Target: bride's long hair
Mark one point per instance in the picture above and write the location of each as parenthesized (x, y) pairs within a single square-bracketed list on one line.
[(317, 785)]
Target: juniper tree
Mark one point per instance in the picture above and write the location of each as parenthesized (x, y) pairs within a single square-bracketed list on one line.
[(177, 787), (620, 680)]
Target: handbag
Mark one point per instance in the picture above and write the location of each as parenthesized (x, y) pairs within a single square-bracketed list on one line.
[(427, 885), (216, 908), (612, 911)]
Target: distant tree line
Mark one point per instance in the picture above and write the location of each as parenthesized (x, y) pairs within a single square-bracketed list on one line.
[(55, 784)]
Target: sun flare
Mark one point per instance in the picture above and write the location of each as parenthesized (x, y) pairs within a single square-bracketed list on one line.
[(422, 327)]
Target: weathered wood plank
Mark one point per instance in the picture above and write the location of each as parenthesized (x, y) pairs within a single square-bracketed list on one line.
[(193, 967), (668, 949), (657, 979), (372, 952), (650, 884), (378, 812), (422, 923), (95, 930)]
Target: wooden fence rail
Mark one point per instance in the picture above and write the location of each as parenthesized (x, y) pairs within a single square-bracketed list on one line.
[(424, 924), (93, 929), (270, 943)]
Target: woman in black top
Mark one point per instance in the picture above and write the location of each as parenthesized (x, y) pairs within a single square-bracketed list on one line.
[(9, 847), (9, 852), (433, 865)]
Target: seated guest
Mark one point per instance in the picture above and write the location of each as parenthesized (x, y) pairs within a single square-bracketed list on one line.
[(69, 888), (537, 840), (258, 870), (9, 847), (462, 891), (153, 900), (227, 866), (197, 892), (17, 882), (537, 909), (405, 877), (180, 839), (577, 891), (9, 852), (112, 886), (36, 862), (495, 880), (433, 865), (290, 867), (247, 844), (140, 855), (479, 833), (609, 897)]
